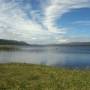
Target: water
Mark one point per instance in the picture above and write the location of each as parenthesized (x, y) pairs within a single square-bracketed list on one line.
[(76, 56)]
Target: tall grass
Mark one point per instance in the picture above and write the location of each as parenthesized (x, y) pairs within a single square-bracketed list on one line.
[(40, 77)]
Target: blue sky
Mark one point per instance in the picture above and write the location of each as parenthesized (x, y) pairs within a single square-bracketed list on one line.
[(45, 21), (77, 21)]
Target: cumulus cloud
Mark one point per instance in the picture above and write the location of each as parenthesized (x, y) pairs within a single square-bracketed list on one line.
[(16, 24)]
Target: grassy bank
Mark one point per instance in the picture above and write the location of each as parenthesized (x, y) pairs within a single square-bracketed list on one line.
[(39, 77)]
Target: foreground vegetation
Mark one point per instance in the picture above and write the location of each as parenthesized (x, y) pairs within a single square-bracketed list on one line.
[(40, 77)]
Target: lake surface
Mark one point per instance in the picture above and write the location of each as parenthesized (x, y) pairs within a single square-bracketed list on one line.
[(63, 56)]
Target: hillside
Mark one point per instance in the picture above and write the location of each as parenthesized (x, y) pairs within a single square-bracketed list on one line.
[(10, 45), (12, 42)]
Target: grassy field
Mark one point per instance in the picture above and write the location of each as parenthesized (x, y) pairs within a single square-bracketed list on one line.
[(40, 77)]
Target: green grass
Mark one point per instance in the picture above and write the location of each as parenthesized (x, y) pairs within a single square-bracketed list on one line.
[(40, 77)]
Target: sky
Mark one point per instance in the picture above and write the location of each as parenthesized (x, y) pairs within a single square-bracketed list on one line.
[(45, 21)]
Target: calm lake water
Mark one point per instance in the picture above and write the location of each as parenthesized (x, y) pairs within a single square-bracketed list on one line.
[(76, 56)]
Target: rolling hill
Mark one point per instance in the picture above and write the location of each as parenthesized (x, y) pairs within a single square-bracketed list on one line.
[(12, 42)]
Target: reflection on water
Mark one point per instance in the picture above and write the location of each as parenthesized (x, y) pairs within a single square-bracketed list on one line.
[(78, 56)]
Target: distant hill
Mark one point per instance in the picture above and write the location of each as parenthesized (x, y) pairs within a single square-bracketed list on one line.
[(22, 43), (78, 44), (73, 44), (12, 42)]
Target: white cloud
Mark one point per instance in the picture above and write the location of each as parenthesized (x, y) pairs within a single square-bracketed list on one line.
[(79, 39), (57, 8), (14, 23), (82, 22)]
